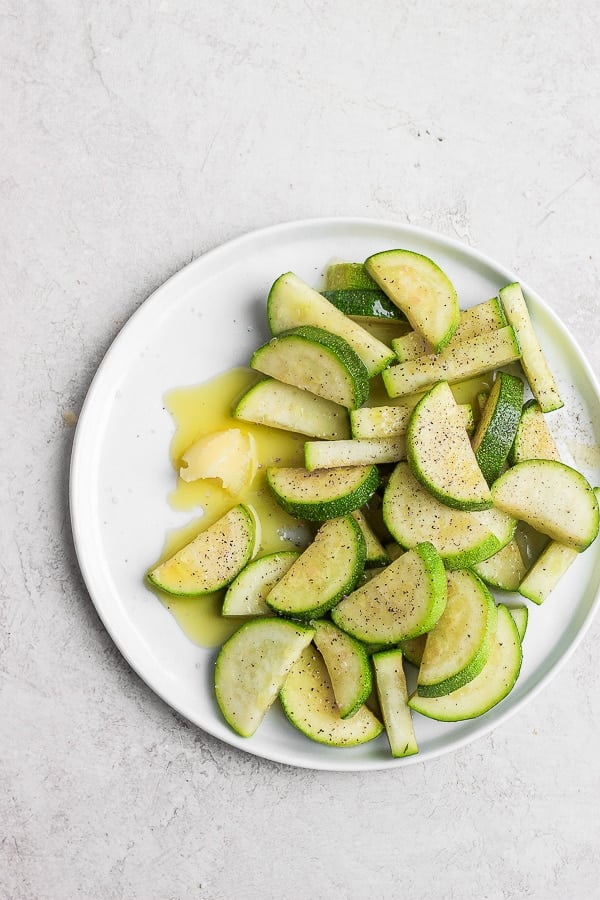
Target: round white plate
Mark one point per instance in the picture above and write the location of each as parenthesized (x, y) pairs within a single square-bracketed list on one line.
[(207, 318)]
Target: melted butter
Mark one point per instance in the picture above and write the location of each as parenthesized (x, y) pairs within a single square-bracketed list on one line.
[(196, 411), (584, 455)]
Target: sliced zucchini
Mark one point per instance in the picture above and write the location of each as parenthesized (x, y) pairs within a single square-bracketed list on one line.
[(461, 360), (324, 494), (504, 570), (498, 425), (551, 497), (279, 405), (406, 599), (316, 361), (347, 665), (292, 302), (376, 554), (413, 649), (342, 276), (440, 455), (479, 319), (213, 559), (533, 439), (520, 615), (362, 302), (535, 366), (493, 683), (364, 452), (252, 666), (462, 538), (246, 594), (554, 560), (390, 421), (309, 702), (323, 573), (421, 290), (458, 645), (393, 700)]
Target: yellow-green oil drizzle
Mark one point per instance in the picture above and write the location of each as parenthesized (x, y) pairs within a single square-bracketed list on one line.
[(196, 411)]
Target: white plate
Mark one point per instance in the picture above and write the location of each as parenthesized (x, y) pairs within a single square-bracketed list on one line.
[(207, 318)]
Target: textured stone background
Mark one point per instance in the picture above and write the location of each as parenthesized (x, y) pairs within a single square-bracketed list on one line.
[(134, 137)]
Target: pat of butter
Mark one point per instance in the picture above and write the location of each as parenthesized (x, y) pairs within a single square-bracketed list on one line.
[(227, 455)]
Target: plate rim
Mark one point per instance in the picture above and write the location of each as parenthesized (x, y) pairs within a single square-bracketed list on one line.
[(485, 725)]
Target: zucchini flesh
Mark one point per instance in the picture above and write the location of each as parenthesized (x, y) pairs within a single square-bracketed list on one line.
[(476, 320), (390, 421), (520, 615), (246, 594), (533, 438), (461, 537), (551, 497), (535, 365), (461, 360), (406, 599), (493, 683), (376, 554), (554, 560), (323, 573), (309, 702), (440, 455), (279, 405), (251, 668), (363, 452), (292, 302), (393, 700), (325, 493), (504, 570), (347, 664), (421, 290), (316, 361), (458, 646), (212, 559)]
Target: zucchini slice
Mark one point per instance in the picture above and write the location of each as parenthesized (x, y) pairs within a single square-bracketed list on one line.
[(554, 560), (498, 425), (393, 700), (493, 683), (476, 320), (363, 452), (316, 361), (533, 439), (309, 702), (285, 406), (246, 594), (376, 554), (292, 302), (520, 615), (213, 559), (323, 573), (413, 649), (551, 497), (504, 570), (462, 538), (535, 366), (421, 290), (323, 494), (252, 666), (342, 276), (440, 455), (406, 599), (458, 646), (461, 360), (372, 304), (391, 421), (347, 664)]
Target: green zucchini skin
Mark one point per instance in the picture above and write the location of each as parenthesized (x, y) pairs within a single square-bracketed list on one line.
[(372, 303), (300, 492)]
